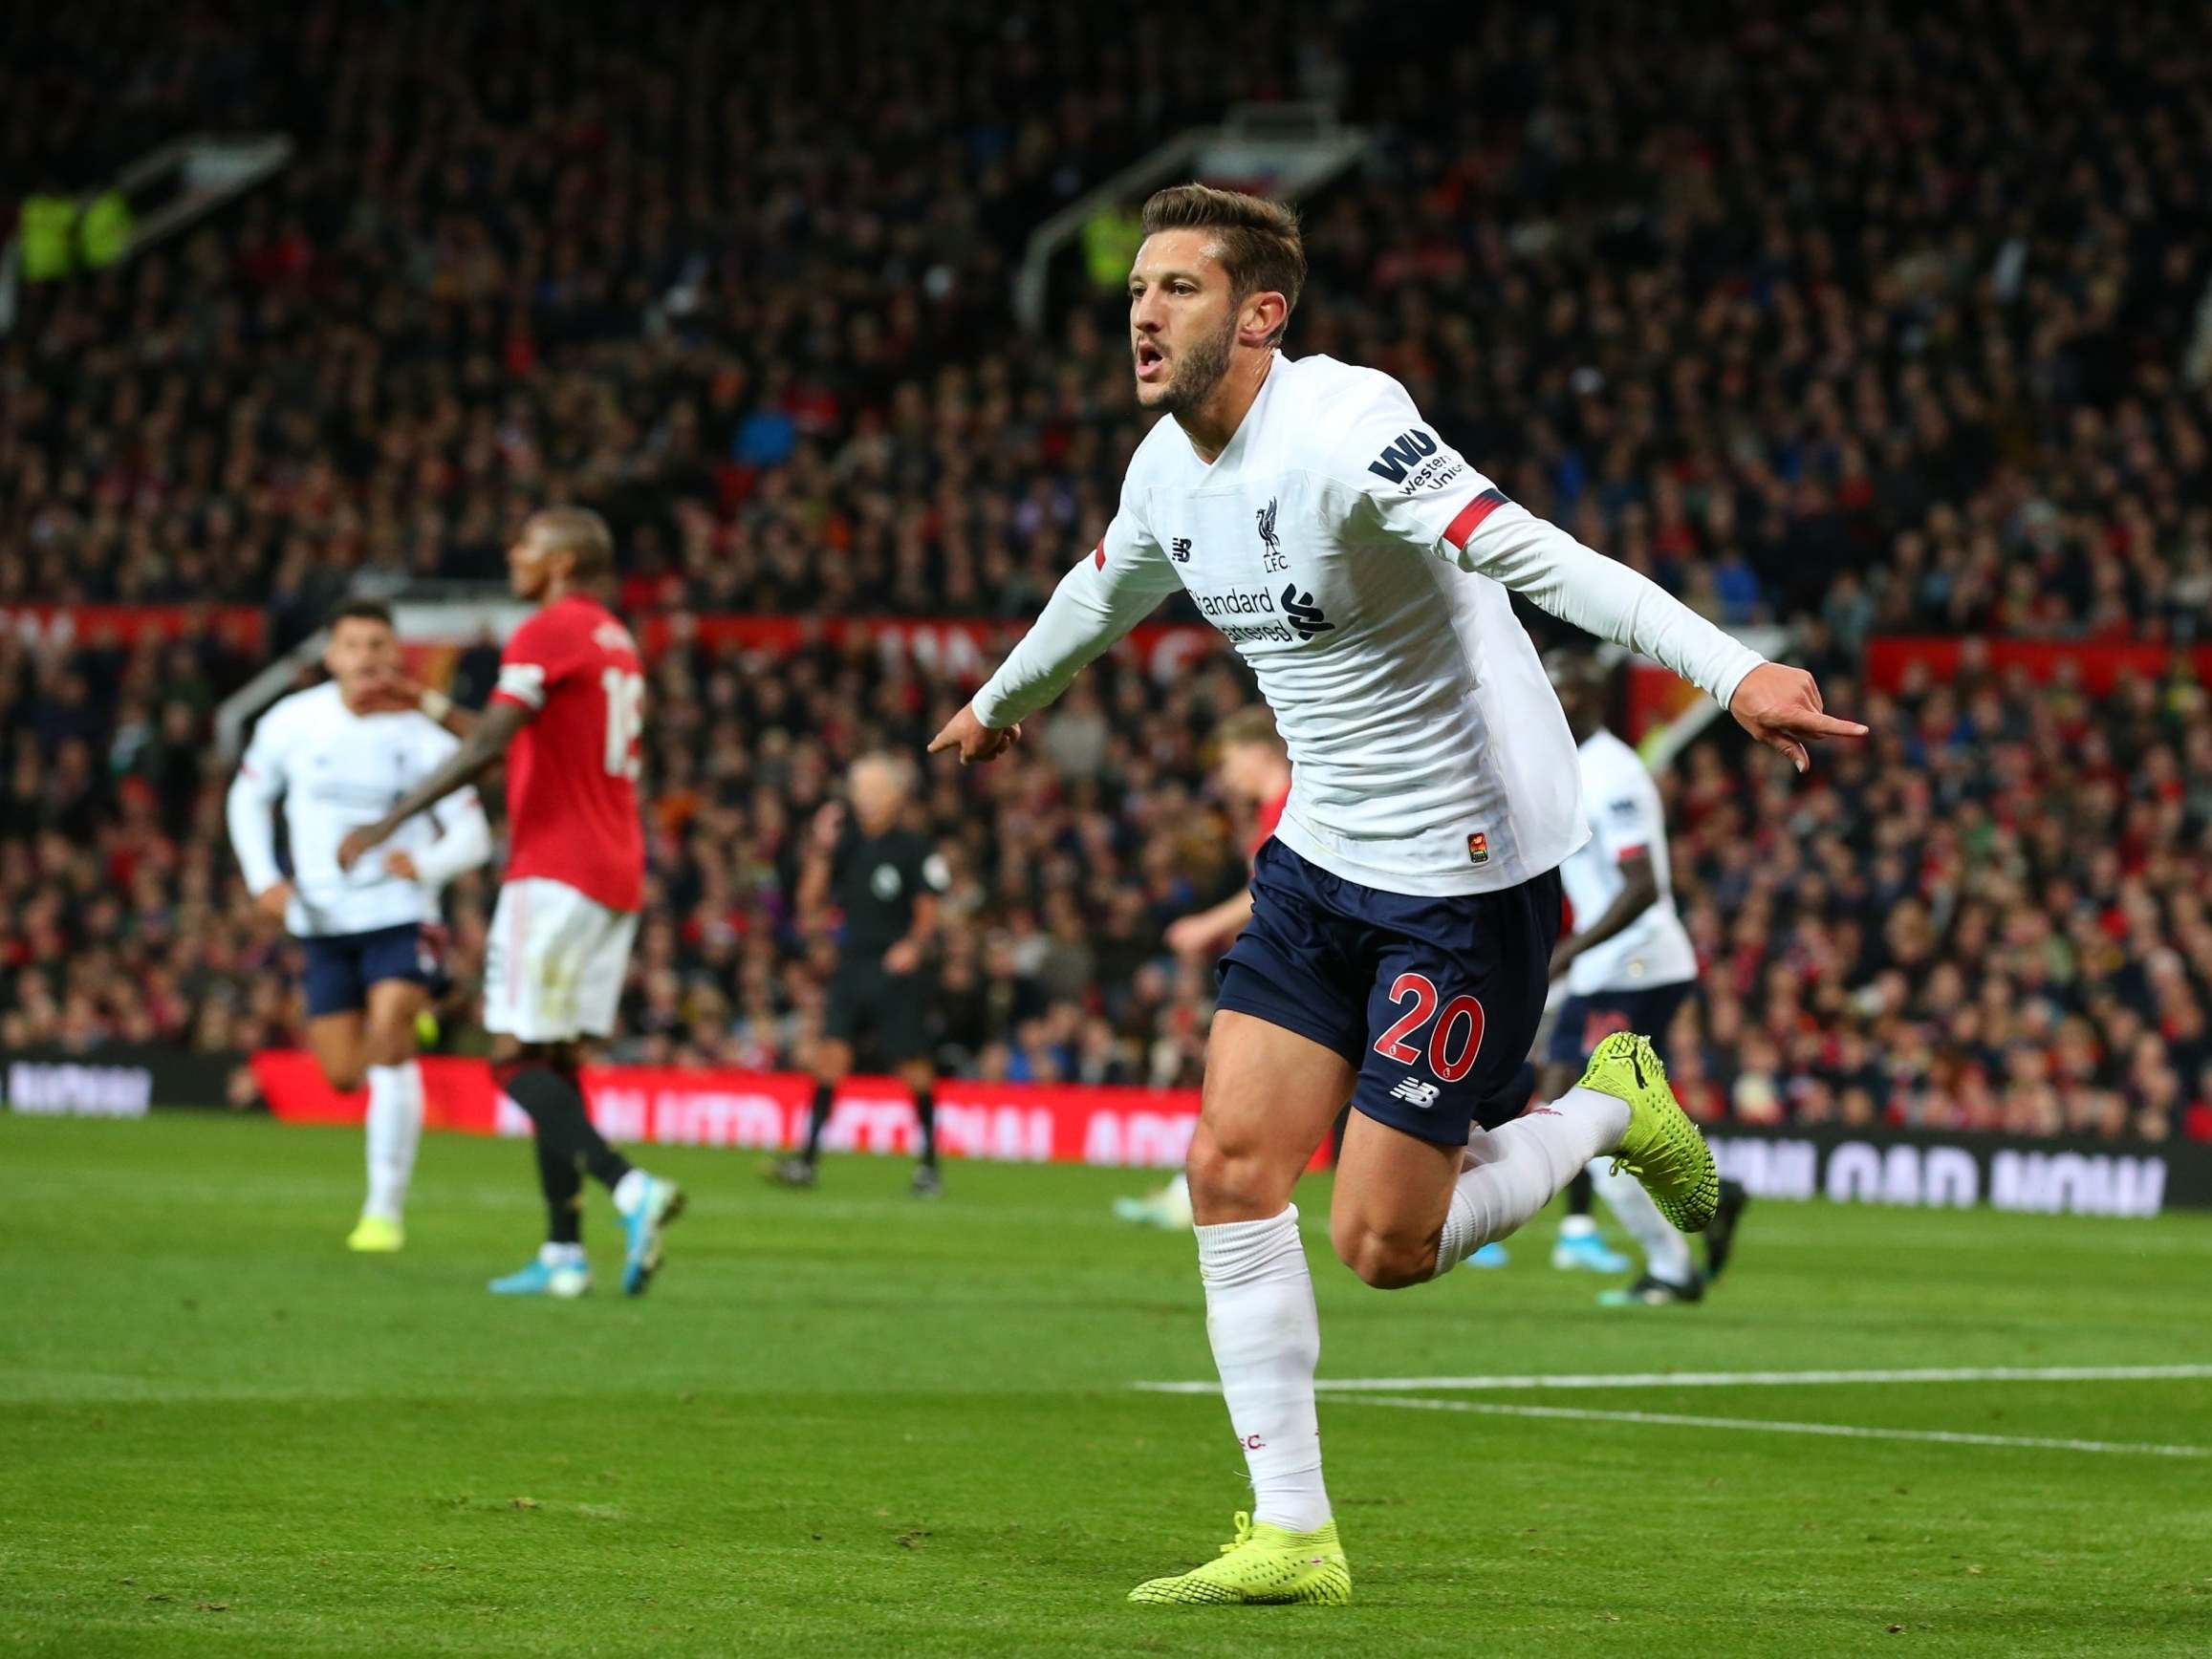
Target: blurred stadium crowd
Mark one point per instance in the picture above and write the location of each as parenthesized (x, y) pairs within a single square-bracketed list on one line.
[(1855, 322)]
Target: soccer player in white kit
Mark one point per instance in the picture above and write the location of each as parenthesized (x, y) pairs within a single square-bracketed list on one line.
[(1405, 912), (1628, 966), (337, 755)]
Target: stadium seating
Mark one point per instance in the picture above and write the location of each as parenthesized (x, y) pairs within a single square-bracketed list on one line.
[(1706, 298), (1993, 917)]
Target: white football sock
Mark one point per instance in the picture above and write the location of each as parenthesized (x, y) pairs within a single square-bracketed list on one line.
[(1519, 1167), (630, 1191), (561, 1254), (395, 1130), (1266, 1340), (1667, 1252)]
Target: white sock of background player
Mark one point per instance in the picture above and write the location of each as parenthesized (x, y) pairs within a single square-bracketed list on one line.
[(1266, 1340), (1517, 1169), (395, 1130), (1667, 1252)]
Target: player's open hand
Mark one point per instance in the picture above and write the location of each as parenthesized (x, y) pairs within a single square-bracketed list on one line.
[(356, 843), (976, 741), (392, 691), (829, 827), (1780, 707), (271, 901)]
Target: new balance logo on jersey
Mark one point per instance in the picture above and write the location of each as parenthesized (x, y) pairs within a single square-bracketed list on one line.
[(1179, 549), (1271, 559), (1396, 458), (1305, 615), (1415, 1092)]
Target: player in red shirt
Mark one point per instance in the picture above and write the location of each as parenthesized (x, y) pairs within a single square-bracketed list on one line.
[(1253, 767), (566, 715)]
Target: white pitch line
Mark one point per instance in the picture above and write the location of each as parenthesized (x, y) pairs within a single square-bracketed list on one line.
[(1732, 1379), (1761, 1424)]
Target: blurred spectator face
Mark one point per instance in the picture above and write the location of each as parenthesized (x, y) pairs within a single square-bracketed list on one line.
[(361, 652)]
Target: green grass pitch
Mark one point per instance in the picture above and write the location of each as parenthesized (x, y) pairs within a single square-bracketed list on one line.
[(849, 1423)]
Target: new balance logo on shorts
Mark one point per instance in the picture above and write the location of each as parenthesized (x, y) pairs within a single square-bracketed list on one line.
[(1415, 1092)]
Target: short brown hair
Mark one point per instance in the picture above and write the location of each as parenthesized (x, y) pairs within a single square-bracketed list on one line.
[(585, 534), (1255, 725), (1259, 245), (360, 610)]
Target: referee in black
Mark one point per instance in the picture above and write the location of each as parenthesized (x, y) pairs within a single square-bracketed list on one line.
[(885, 881)]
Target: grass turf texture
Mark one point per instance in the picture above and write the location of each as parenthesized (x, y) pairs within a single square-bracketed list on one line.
[(845, 1422)]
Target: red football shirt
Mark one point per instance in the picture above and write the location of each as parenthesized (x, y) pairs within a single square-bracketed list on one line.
[(572, 772), (1264, 825)]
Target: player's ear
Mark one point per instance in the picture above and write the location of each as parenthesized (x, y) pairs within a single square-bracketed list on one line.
[(1261, 317)]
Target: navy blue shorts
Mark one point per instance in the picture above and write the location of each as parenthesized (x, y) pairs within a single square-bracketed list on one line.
[(1434, 1002), (341, 967), (1583, 1022)]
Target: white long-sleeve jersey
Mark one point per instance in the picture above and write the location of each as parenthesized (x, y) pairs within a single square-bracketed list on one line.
[(1360, 566), (1626, 816), (338, 771)]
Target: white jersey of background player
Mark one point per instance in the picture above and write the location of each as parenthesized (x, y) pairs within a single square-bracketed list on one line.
[(1622, 808), (336, 756), (1629, 966), (1360, 568)]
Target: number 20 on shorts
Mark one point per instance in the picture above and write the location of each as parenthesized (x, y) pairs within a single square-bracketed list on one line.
[(1453, 1040)]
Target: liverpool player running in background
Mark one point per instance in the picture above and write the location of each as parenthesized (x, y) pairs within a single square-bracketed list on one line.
[(568, 713), (1629, 966), (1405, 913), (336, 755), (883, 881)]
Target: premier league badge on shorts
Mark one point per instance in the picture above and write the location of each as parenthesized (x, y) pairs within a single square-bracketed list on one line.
[(1478, 847)]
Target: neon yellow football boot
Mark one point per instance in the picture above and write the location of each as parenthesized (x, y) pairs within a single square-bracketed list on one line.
[(1662, 1147), (376, 1236), (1264, 1564)]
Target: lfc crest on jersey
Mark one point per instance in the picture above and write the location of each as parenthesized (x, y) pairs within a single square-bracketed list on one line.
[(1271, 556)]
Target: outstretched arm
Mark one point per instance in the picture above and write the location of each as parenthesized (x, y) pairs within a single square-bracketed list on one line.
[(1778, 705), (1113, 588), (1206, 930), (399, 691), (484, 745), (1418, 492)]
